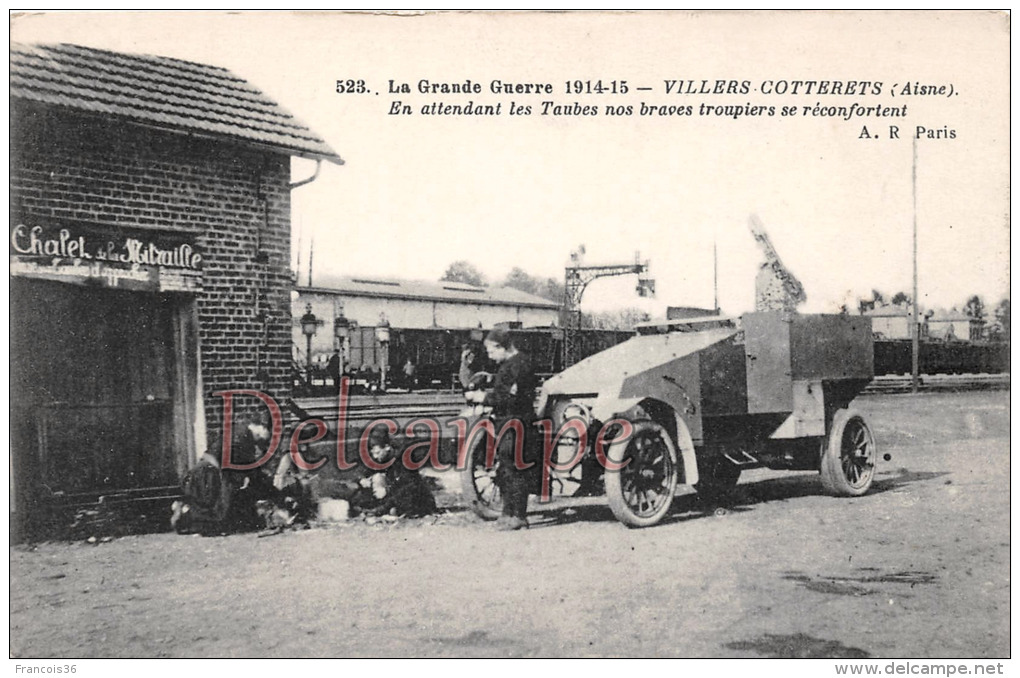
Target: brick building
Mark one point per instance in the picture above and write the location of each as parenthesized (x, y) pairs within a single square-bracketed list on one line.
[(149, 262)]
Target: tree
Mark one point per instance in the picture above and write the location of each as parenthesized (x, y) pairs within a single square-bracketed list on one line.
[(975, 308), (865, 305), (623, 319), (1002, 316), (900, 298), (464, 272), (519, 279), (552, 289)]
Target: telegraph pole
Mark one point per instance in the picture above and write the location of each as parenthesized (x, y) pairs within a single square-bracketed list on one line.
[(297, 271), (715, 277), (311, 255), (916, 331)]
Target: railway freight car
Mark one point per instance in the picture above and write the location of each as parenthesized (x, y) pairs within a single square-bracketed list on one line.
[(435, 352), (942, 357)]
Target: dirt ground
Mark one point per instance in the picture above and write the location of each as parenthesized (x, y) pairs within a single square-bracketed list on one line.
[(917, 568)]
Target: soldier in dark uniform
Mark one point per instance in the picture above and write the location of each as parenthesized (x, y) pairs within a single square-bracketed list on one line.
[(216, 500), (395, 490), (335, 368), (512, 397)]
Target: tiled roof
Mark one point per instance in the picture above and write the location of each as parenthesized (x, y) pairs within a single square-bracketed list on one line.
[(431, 291), (159, 91)]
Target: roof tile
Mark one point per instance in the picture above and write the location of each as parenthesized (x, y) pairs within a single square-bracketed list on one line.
[(169, 93)]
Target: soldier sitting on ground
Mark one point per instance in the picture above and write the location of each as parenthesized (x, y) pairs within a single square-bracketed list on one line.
[(395, 491), (216, 500)]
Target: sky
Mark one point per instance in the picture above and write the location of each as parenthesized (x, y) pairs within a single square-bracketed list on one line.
[(419, 192)]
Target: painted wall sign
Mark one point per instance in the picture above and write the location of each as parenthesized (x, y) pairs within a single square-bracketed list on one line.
[(84, 243), (121, 258)]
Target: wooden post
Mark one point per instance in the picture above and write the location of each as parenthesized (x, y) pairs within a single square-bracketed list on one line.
[(916, 331)]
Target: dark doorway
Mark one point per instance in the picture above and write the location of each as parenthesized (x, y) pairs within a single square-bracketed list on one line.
[(100, 395)]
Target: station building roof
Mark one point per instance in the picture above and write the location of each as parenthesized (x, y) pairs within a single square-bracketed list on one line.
[(952, 315), (935, 315), (160, 92), (420, 290), (889, 311)]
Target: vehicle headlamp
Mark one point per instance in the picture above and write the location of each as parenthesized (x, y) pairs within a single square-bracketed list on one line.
[(574, 410), (569, 438)]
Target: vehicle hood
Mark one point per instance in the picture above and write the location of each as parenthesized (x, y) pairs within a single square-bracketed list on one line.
[(604, 373)]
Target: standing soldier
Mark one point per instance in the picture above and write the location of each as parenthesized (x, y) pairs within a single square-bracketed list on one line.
[(409, 379), (512, 398), (335, 368)]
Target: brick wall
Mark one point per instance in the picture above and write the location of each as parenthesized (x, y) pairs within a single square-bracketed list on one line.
[(235, 200)]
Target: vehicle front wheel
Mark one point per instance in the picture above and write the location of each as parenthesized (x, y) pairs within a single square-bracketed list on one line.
[(478, 483), (848, 455), (641, 492)]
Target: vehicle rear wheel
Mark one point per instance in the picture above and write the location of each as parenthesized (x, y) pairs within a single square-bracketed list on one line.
[(478, 484), (848, 455), (641, 492)]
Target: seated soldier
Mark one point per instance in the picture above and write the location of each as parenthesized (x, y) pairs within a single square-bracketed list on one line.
[(396, 491), (216, 500)]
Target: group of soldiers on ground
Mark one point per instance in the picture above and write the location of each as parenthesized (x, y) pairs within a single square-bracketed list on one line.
[(219, 500)]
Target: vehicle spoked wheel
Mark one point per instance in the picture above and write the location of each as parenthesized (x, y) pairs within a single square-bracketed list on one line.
[(641, 492), (848, 455), (478, 483)]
